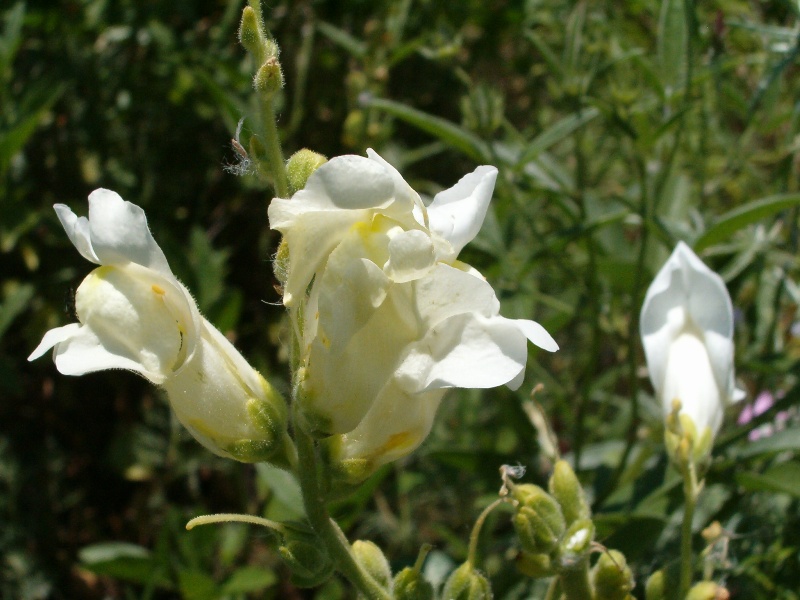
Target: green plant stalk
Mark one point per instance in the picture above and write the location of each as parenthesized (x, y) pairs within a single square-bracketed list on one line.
[(329, 532), (475, 534), (273, 144), (575, 582), (691, 491)]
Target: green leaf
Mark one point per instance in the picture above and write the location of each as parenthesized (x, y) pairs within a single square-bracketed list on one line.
[(249, 579), (451, 134), (12, 140), (741, 217), (16, 301), (121, 560), (338, 36), (197, 585), (787, 439), (672, 44), (783, 478), (555, 133), (283, 486)]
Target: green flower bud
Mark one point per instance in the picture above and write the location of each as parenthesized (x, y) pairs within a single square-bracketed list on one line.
[(300, 167), (566, 489), (535, 565), (465, 583), (305, 554), (612, 577), (655, 588), (539, 521), (372, 560), (576, 544), (707, 590), (250, 34), (280, 266), (269, 78), (409, 584)]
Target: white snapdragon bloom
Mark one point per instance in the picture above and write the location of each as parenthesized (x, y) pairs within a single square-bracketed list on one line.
[(687, 334), (387, 318), (135, 315)]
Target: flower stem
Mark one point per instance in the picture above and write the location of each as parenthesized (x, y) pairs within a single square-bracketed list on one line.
[(575, 582), (476, 531), (331, 535), (273, 144), (691, 490)]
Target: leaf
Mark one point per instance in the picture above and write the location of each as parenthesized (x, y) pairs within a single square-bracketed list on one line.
[(672, 44), (556, 132), (15, 303), (787, 439), (451, 134), (338, 36), (283, 486), (125, 561), (731, 222), (249, 579), (197, 585), (782, 478)]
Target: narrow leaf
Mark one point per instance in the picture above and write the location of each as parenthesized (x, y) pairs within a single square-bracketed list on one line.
[(672, 44), (555, 133), (741, 217)]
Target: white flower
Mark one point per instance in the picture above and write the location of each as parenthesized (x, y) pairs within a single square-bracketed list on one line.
[(687, 333), (135, 315), (388, 318)]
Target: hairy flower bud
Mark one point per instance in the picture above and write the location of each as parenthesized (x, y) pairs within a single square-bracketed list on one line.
[(576, 543), (410, 584), (535, 565), (566, 489), (250, 33), (708, 590), (373, 561), (465, 583), (300, 167), (612, 577), (539, 521), (269, 77)]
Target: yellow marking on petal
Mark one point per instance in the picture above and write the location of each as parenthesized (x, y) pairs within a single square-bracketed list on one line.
[(158, 289)]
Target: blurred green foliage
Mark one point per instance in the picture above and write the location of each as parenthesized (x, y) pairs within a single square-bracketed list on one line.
[(618, 129)]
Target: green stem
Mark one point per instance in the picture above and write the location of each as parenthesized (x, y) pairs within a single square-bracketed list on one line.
[(274, 151), (331, 535), (476, 531), (691, 491), (575, 582)]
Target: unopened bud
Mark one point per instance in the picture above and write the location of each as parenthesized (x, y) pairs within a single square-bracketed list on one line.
[(566, 489), (269, 78), (708, 590), (300, 167), (612, 577), (409, 584), (576, 543), (305, 555), (535, 565), (465, 583), (539, 521), (250, 34), (373, 561)]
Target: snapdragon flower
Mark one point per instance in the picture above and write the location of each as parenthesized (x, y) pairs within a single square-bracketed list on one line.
[(387, 318), (134, 314), (687, 333)]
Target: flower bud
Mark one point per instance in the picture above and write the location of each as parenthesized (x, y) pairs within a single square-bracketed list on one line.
[(373, 561), (300, 167), (656, 586), (612, 577), (708, 590), (305, 554), (539, 521), (535, 565), (576, 544), (566, 489), (410, 584), (250, 34), (269, 77), (465, 583)]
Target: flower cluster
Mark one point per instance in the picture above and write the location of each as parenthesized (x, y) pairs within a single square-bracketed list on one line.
[(134, 314), (386, 315)]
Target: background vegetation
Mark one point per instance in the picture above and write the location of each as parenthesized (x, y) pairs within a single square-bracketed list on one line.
[(618, 129)]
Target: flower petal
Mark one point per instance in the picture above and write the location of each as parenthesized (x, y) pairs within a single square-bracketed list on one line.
[(411, 255), (458, 213), (537, 334), (77, 229), (53, 338), (348, 182), (119, 233)]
